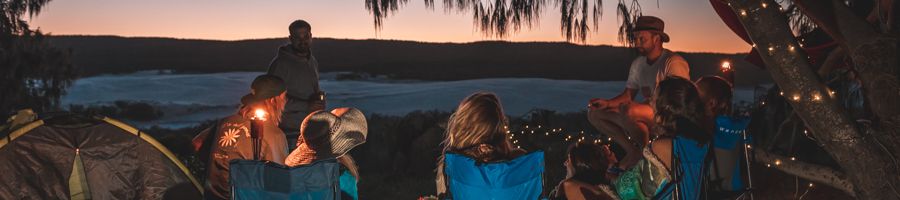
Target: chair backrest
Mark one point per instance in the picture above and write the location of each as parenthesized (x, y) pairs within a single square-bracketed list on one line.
[(729, 143), (520, 178), (266, 180)]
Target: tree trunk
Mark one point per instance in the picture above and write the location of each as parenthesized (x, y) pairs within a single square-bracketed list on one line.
[(862, 161)]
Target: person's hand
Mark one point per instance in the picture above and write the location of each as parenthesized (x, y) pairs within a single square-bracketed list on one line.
[(609, 105), (598, 104)]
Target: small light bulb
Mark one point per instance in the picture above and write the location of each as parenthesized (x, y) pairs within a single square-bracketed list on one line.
[(768, 165), (817, 97), (771, 48), (793, 158), (791, 47), (748, 146), (810, 184), (764, 5), (777, 162), (781, 93), (610, 138), (796, 97), (743, 13)]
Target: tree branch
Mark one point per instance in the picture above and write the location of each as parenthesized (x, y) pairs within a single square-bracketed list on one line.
[(857, 31), (830, 124), (816, 173), (834, 59)]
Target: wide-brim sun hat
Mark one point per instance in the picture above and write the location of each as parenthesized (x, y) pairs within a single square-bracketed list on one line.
[(330, 134)]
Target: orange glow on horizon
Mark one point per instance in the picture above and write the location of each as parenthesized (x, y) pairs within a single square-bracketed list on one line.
[(693, 27)]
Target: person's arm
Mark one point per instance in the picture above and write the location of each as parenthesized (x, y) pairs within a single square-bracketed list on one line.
[(679, 67), (573, 190), (273, 65), (626, 96), (662, 148), (276, 148), (198, 140), (440, 183)]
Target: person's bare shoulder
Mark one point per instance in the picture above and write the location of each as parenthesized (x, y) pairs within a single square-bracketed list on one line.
[(662, 148)]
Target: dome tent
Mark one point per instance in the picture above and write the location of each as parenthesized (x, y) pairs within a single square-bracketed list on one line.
[(73, 156)]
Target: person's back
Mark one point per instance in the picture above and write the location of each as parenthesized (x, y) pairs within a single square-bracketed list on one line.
[(726, 171), (230, 138), (232, 141)]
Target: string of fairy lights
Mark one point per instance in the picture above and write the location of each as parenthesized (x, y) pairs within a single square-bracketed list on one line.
[(797, 97), (522, 135)]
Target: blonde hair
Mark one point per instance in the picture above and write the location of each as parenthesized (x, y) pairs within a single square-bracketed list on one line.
[(273, 106), (478, 129)]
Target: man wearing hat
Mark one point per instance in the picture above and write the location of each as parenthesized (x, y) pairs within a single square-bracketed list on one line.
[(230, 137), (654, 64)]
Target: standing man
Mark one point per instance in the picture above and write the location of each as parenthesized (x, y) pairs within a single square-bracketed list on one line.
[(295, 64), (654, 64)]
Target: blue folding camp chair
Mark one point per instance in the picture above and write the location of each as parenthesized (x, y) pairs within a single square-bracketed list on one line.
[(252, 179), (520, 178)]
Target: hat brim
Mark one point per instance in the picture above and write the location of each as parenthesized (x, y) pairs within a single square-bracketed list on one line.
[(351, 132), (663, 36), (346, 132), (249, 99)]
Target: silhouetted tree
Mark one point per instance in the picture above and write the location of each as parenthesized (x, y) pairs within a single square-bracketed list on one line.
[(502, 17), (33, 74)]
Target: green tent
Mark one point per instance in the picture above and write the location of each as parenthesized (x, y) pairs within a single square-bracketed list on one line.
[(72, 156)]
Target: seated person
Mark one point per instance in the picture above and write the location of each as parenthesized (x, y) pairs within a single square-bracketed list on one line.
[(326, 135), (476, 140), (586, 173), (729, 141), (229, 139), (678, 157), (653, 65)]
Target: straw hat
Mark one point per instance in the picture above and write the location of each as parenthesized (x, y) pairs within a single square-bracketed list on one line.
[(326, 135)]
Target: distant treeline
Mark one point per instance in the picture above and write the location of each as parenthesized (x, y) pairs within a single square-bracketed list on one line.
[(397, 59)]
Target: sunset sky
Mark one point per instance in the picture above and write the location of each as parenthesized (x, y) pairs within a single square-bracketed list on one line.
[(692, 24)]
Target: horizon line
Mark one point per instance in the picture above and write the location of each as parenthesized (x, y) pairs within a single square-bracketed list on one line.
[(374, 39)]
